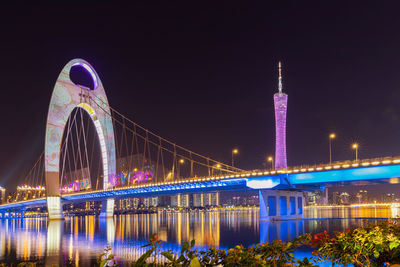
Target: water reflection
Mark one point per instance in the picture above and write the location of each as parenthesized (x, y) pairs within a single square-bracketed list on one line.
[(352, 212), (283, 230), (82, 239), (54, 242)]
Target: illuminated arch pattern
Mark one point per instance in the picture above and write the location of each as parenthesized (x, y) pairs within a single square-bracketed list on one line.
[(67, 96)]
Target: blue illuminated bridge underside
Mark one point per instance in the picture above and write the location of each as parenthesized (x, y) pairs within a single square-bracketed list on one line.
[(247, 181)]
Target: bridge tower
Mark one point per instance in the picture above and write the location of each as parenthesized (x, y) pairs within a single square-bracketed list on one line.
[(65, 98), (280, 104)]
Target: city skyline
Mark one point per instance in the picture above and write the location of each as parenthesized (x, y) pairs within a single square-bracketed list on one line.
[(333, 87)]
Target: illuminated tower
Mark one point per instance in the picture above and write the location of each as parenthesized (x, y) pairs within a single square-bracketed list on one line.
[(280, 103)]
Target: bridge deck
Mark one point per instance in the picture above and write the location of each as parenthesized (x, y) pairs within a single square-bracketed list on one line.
[(322, 174)]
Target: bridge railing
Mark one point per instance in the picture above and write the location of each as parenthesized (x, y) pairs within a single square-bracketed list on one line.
[(342, 164)]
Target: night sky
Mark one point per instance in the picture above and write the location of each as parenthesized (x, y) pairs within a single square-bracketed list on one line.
[(203, 74)]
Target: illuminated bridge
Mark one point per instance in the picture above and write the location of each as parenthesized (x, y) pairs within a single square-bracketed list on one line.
[(386, 170), (133, 162)]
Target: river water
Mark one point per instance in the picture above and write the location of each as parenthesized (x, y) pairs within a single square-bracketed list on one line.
[(82, 239)]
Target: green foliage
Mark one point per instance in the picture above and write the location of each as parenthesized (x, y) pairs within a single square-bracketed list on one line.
[(372, 245), (276, 253)]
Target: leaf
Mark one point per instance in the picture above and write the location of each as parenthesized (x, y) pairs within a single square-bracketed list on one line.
[(168, 255), (192, 243), (195, 262), (376, 254), (185, 246), (142, 260), (393, 245)]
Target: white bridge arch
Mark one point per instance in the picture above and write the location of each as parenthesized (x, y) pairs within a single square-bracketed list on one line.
[(65, 98)]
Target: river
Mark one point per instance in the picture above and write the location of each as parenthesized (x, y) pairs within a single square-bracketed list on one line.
[(82, 239)]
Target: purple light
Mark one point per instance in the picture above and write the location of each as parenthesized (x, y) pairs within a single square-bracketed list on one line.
[(280, 103), (91, 72)]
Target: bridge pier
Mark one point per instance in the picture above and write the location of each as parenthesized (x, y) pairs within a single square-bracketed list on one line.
[(281, 204), (107, 208), (54, 208)]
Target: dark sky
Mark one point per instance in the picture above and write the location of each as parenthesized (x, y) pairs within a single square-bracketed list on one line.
[(203, 74)]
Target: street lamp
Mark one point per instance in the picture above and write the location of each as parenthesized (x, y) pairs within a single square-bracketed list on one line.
[(181, 161), (271, 159), (234, 152), (355, 147), (331, 136)]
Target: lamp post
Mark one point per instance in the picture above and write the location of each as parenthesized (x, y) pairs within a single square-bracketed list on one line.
[(181, 161), (331, 137), (271, 159), (355, 147), (234, 152)]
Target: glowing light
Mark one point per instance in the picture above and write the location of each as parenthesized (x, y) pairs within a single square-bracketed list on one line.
[(375, 162), (332, 136), (261, 184), (386, 161), (91, 72), (280, 105)]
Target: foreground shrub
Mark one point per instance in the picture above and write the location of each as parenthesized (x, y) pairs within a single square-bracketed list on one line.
[(372, 245), (276, 253)]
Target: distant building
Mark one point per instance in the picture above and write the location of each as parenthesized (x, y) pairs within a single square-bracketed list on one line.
[(2, 195), (389, 197), (362, 196), (336, 198), (27, 192), (344, 198), (185, 201), (150, 202), (198, 200)]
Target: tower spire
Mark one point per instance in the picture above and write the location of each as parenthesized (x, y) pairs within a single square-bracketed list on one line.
[(280, 77)]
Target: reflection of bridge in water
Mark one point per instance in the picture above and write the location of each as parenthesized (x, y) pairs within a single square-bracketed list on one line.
[(82, 239)]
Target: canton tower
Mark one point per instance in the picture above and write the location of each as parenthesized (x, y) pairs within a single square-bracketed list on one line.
[(280, 104)]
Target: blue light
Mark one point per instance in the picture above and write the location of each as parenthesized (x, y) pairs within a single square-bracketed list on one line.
[(347, 175)]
